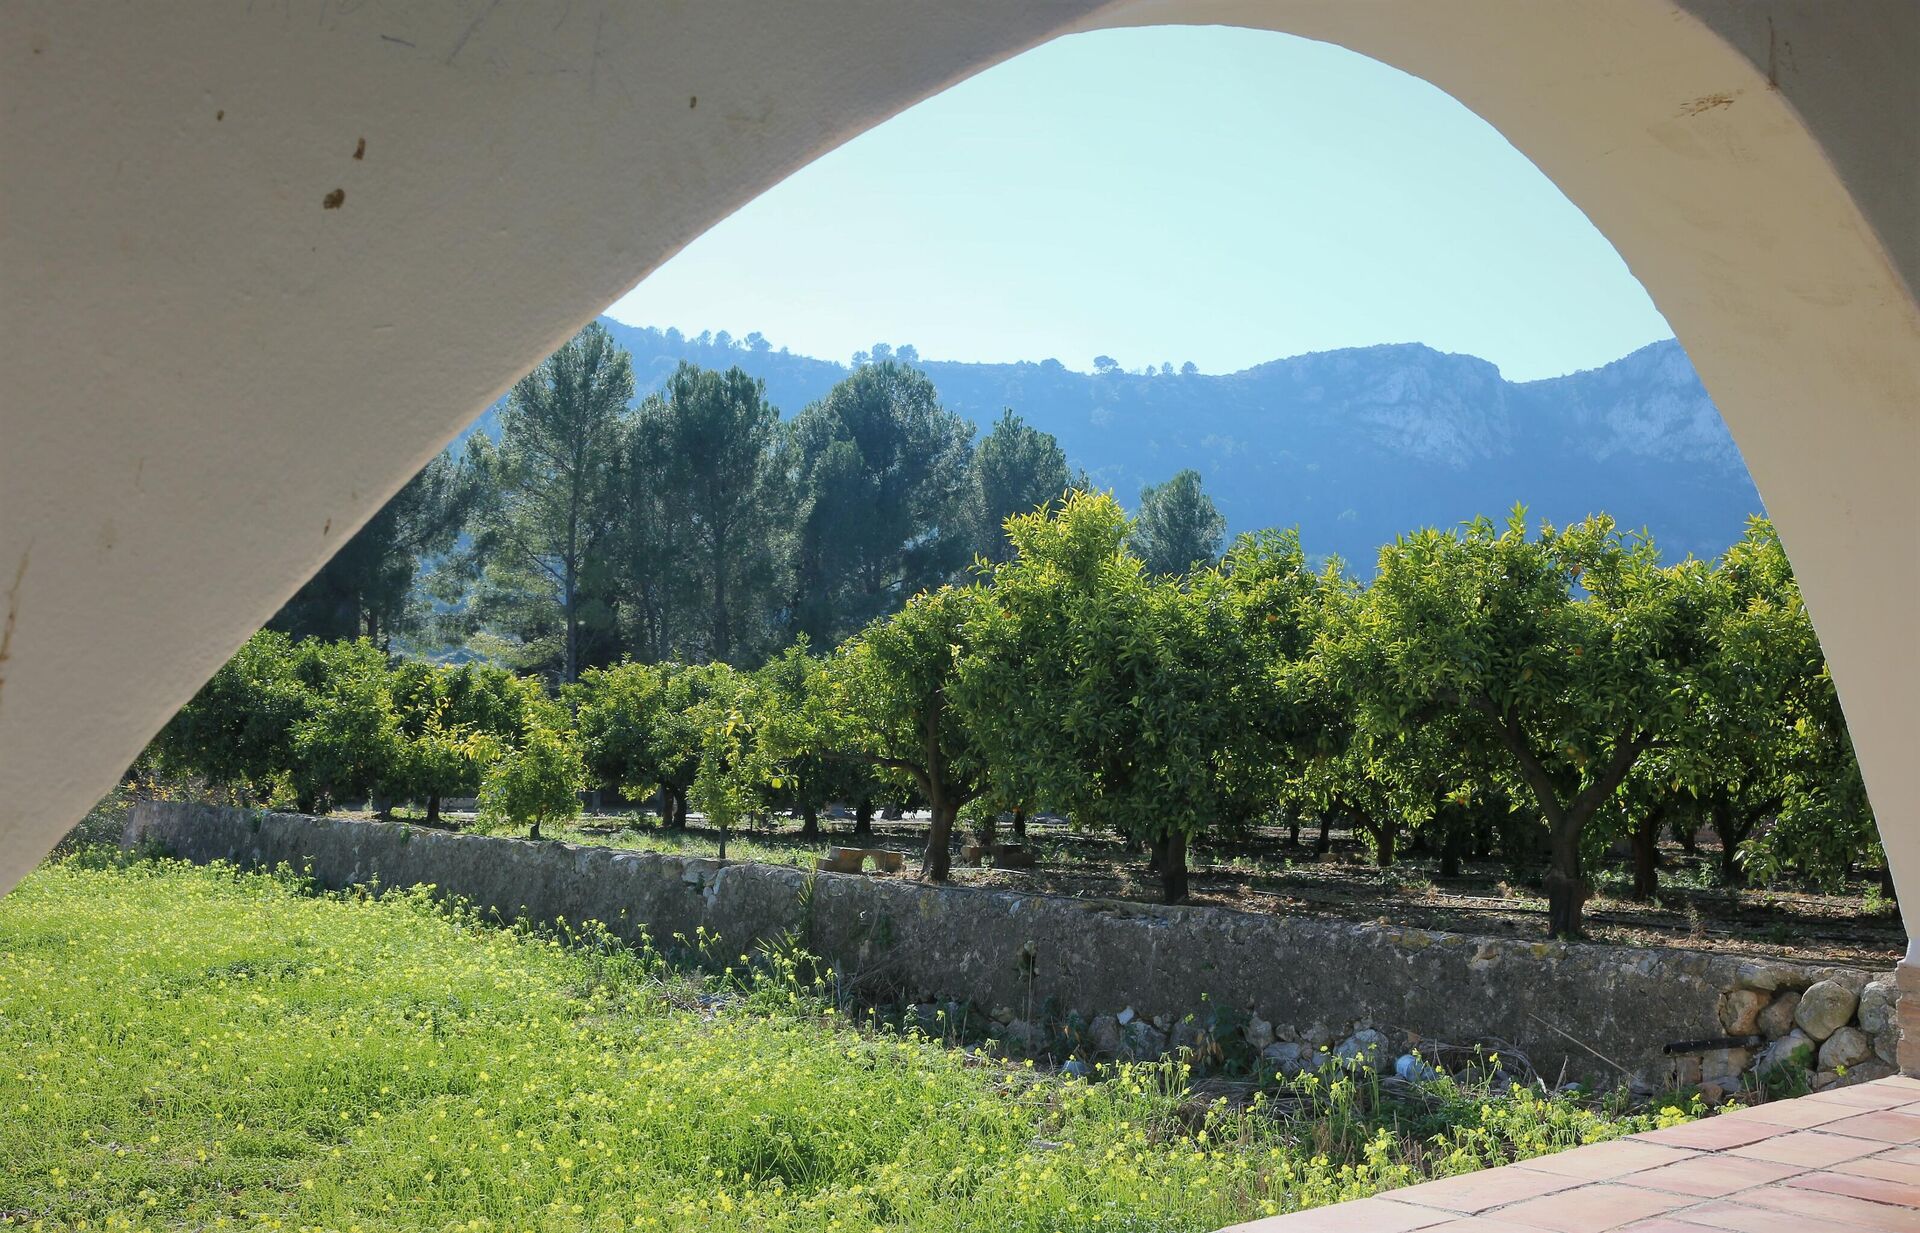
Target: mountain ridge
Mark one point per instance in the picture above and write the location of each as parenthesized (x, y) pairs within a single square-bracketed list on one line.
[(1353, 446)]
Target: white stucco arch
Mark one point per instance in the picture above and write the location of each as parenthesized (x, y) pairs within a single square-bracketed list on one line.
[(210, 377)]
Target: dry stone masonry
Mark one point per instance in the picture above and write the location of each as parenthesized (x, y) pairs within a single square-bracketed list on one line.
[(1089, 980)]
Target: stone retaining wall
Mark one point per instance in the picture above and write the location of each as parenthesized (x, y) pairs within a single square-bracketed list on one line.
[(1124, 977)]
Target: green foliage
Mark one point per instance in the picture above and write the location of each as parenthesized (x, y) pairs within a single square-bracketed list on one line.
[(883, 475), (1773, 763), (455, 723), (1561, 658), (734, 770), (703, 460), (884, 702), (237, 731), (536, 783), (1179, 528), (549, 510), (349, 747), (1559, 689), (367, 588), (1126, 700), (641, 727), (1016, 470)]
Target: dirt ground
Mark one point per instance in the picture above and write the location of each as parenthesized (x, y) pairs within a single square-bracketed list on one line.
[(1267, 874)]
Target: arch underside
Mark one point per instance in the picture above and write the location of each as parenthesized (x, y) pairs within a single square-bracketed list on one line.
[(213, 377)]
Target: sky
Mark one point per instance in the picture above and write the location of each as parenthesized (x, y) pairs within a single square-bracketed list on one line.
[(1164, 195)]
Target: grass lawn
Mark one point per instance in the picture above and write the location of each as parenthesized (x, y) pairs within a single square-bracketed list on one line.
[(196, 1048)]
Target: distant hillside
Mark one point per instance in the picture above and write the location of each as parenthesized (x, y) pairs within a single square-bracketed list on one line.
[(1352, 446)]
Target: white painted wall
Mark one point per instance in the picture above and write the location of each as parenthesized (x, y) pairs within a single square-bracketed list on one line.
[(208, 380)]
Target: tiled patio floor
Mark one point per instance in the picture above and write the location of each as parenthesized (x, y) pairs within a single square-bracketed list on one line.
[(1842, 1161)]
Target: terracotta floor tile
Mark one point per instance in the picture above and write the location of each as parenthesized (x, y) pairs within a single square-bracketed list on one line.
[(1860, 1214), (1816, 1149), (1845, 1161), (1883, 1165), (1374, 1215), (1603, 1161), (1710, 1134), (1875, 1189), (1473, 1193), (1883, 1125), (1591, 1209), (1714, 1176), (1863, 1096), (1798, 1114), (1739, 1218)]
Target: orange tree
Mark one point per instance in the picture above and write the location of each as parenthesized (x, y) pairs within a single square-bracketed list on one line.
[(237, 731), (638, 728), (1562, 658), (800, 777), (539, 781), (1131, 702), (1774, 768), (885, 701), (454, 723)]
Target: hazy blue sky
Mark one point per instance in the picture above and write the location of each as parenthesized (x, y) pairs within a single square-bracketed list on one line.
[(1214, 195)]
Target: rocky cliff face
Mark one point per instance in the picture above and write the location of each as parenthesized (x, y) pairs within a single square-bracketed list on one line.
[(1353, 446)]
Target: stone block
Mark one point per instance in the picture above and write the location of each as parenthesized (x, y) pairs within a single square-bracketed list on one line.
[(1847, 1047), (1724, 1066), (1877, 1002), (1825, 1007), (1866, 1072), (1740, 1010), (1795, 1049), (1777, 1019), (1366, 1047)]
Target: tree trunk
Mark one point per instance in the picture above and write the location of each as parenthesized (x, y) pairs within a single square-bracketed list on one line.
[(722, 636), (433, 809), (723, 839), (1324, 844), (383, 808), (989, 825), (1686, 831), (863, 816), (1384, 835), (1566, 884), (1170, 859), (533, 832), (1731, 871), (892, 811), (809, 821), (1293, 832), (1020, 825), (1452, 840), (1646, 854), (676, 818), (938, 858), (570, 666)]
